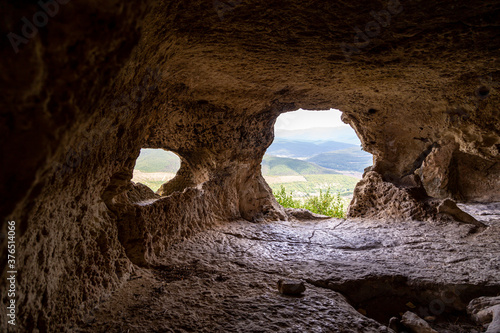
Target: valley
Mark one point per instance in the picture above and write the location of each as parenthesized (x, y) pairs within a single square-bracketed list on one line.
[(296, 160)]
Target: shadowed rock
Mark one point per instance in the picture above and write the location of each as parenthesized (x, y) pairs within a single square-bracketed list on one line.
[(291, 288), (416, 324), (102, 79), (486, 311)]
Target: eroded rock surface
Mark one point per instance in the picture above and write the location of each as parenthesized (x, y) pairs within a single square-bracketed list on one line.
[(490, 213), (416, 324), (103, 79), (486, 311), (225, 279)]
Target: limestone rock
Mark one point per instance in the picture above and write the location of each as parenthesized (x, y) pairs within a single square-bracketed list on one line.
[(450, 208), (447, 172), (304, 214), (437, 173), (104, 78), (416, 324), (182, 180), (139, 193), (486, 311), (376, 198), (395, 324)]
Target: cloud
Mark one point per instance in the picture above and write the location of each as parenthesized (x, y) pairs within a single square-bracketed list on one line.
[(303, 119)]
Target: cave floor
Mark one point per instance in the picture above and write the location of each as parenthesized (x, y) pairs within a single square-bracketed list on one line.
[(224, 279)]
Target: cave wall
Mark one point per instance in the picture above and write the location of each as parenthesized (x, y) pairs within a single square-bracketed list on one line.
[(219, 180), (448, 172), (59, 151), (104, 79)]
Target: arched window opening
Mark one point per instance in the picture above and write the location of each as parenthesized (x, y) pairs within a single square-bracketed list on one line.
[(314, 157)]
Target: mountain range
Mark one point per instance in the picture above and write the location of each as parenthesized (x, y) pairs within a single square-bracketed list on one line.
[(304, 149), (350, 159), (282, 166), (292, 153), (343, 134)]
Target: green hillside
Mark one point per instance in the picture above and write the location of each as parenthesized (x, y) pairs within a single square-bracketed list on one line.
[(157, 160), (351, 159), (335, 182), (280, 166), (156, 163), (302, 149), (152, 184)]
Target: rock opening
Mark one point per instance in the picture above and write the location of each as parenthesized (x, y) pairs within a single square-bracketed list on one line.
[(155, 168), (314, 155), (87, 84)]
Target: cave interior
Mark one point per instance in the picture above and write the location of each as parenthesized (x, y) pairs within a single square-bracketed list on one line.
[(87, 85)]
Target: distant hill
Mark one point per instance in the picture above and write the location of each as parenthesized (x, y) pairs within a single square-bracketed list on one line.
[(280, 166), (351, 159), (308, 161), (340, 134), (157, 160), (156, 166), (348, 159), (303, 149)]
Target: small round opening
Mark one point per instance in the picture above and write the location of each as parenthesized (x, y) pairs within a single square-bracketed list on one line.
[(154, 167)]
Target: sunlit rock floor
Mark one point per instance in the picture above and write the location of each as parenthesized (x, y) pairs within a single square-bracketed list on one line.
[(224, 279)]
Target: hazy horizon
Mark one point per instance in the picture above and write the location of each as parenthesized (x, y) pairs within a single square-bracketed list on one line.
[(305, 119), (306, 125)]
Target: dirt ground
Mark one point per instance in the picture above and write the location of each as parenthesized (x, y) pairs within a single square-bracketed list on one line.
[(152, 176), (358, 274)]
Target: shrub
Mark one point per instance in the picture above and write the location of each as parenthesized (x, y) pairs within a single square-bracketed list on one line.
[(286, 200), (325, 204)]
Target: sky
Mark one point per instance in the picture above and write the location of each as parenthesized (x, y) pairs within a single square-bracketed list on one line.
[(303, 119)]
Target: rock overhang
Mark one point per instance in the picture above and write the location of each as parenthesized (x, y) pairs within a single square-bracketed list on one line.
[(103, 80)]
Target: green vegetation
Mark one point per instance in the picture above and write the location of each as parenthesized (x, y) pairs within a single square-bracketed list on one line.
[(325, 204), (351, 159), (157, 160), (281, 166), (337, 183), (286, 200), (309, 180), (300, 149)]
